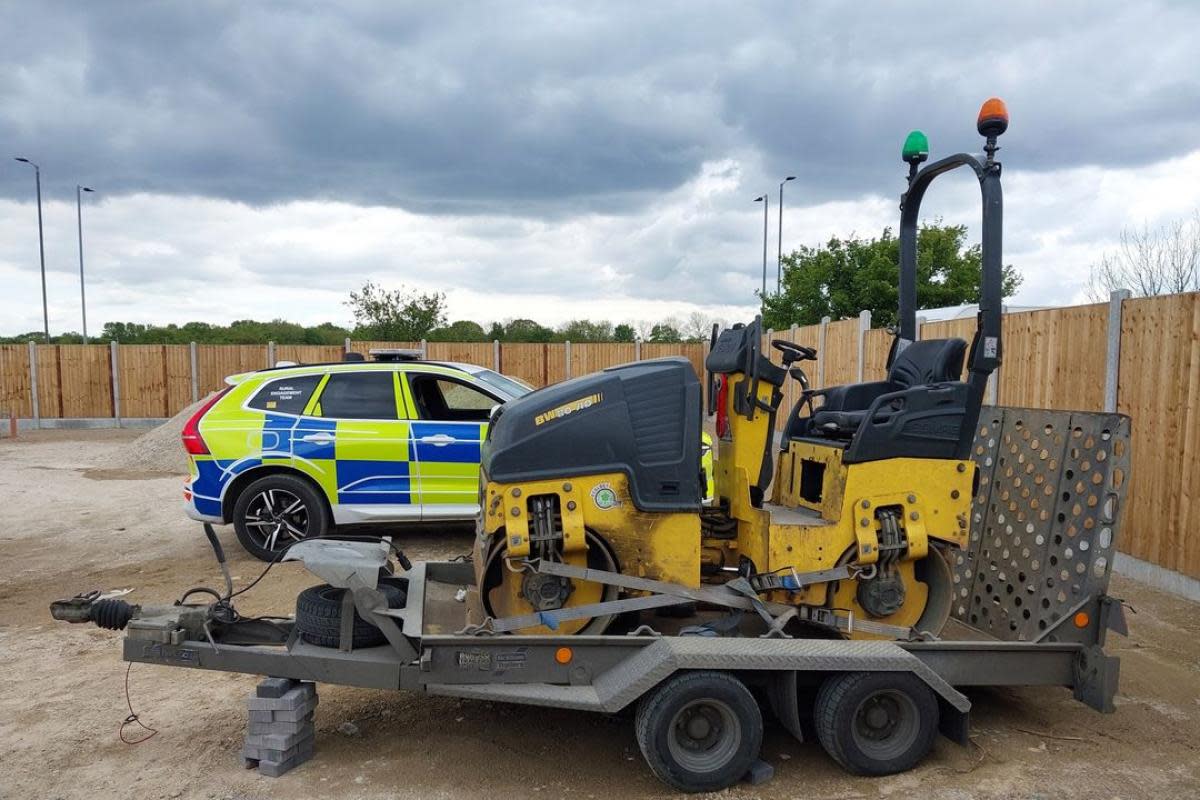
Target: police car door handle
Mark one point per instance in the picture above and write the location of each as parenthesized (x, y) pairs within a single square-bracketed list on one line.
[(320, 438), (438, 440)]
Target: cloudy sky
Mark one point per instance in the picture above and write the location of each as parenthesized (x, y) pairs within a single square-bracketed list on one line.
[(557, 161)]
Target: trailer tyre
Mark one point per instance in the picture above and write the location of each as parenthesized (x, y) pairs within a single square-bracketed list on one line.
[(700, 731), (876, 723), (319, 615)]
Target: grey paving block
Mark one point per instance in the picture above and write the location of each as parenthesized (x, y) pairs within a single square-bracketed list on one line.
[(276, 767), (759, 772), (259, 753), (290, 700), (280, 726), (303, 712), (278, 741), (260, 716), (275, 687)]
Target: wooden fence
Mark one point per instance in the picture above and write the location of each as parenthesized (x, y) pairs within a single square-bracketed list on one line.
[(1055, 358)]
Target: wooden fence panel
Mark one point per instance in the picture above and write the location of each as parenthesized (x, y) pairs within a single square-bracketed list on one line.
[(556, 362), (177, 364), (1055, 358), (877, 345), (49, 368), (309, 353), (479, 353), (142, 369), (86, 380), (16, 393), (526, 361), (841, 352), (1160, 390), (592, 357), (216, 361)]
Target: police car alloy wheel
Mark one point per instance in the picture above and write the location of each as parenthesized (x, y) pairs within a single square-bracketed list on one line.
[(276, 511)]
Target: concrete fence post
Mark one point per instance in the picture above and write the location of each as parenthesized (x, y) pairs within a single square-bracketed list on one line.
[(114, 359), (424, 350), (347, 345), (864, 325), (920, 324), (637, 349), (33, 385), (567, 357), (1112, 361), (270, 354), (195, 372), (496, 354), (821, 355)]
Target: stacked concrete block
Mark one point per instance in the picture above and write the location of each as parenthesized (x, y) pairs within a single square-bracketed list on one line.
[(280, 732)]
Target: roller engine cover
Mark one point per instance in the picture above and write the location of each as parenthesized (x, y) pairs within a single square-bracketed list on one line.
[(642, 419)]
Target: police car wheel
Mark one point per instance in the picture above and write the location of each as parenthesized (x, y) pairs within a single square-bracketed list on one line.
[(276, 511)]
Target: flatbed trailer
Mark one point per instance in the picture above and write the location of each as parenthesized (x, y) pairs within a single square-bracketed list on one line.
[(1030, 609)]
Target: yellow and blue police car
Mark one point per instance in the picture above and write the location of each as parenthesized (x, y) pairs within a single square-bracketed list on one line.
[(285, 453)]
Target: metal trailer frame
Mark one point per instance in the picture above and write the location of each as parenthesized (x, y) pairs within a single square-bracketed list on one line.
[(1030, 607)]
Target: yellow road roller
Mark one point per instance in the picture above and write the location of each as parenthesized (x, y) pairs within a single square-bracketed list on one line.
[(592, 494)]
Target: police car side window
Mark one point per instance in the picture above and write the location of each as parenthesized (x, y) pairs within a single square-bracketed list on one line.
[(359, 395), (450, 401), (285, 395)]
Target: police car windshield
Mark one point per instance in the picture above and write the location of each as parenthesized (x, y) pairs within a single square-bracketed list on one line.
[(511, 388)]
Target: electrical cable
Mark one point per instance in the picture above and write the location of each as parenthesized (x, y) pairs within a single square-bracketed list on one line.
[(133, 717)]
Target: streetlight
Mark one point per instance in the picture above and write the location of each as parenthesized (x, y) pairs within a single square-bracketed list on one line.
[(779, 263), (766, 201), (37, 175), (79, 220)]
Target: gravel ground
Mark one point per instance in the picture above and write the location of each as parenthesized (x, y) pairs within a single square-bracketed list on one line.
[(77, 523)]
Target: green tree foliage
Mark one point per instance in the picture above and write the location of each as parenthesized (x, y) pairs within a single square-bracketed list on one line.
[(463, 330), (525, 330), (586, 330), (243, 331), (624, 333), (846, 276), (664, 333), (395, 314)]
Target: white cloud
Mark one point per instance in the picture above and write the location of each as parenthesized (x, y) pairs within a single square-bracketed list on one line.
[(161, 258)]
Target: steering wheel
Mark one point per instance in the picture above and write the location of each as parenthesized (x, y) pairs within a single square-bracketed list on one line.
[(794, 352)]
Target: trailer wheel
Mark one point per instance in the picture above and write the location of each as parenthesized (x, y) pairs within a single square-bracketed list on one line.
[(876, 723), (700, 731)]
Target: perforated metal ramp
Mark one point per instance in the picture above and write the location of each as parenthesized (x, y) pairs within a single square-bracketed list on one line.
[(1045, 519)]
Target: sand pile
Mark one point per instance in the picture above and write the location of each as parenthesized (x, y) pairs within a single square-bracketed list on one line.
[(158, 449)]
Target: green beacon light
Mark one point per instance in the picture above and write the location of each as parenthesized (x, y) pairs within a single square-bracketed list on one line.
[(916, 148)]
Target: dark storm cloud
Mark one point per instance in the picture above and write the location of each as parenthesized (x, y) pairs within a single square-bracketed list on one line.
[(540, 109)]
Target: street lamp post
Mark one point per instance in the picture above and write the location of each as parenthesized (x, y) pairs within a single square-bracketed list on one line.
[(766, 201), (779, 261), (79, 221), (37, 175)]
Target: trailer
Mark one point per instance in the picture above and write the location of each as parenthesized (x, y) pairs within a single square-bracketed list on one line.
[(1030, 609)]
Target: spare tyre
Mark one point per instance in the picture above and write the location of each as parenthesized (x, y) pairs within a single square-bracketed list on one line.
[(319, 614)]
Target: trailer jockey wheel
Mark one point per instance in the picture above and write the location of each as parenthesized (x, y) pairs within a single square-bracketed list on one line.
[(876, 723), (700, 731)]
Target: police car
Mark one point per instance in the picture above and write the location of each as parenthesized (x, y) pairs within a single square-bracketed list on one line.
[(285, 453)]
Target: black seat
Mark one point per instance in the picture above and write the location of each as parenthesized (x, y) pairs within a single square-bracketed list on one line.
[(919, 364)]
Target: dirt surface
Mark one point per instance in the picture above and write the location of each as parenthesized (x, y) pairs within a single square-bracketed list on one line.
[(62, 698)]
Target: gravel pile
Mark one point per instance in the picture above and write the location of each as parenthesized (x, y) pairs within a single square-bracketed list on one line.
[(158, 449)]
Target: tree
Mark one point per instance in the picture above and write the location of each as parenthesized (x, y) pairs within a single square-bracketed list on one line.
[(847, 276), (665, 333), (624, 333), (526, 330), (698, 327), (395, 315), (585, 330), (1164, 260), (463, 330)]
